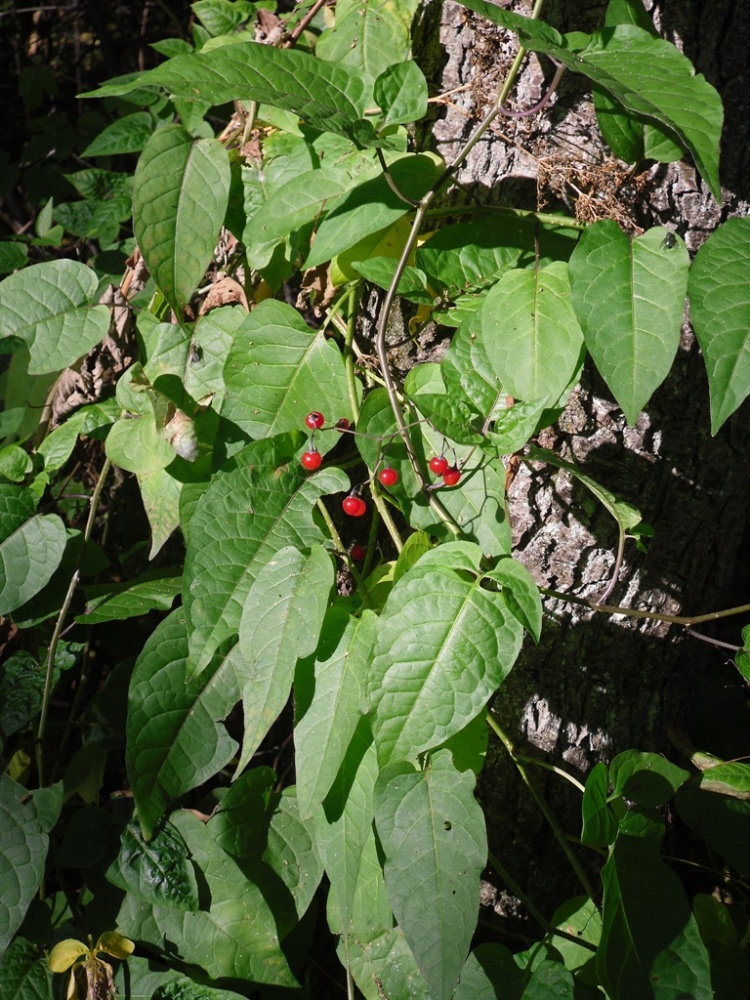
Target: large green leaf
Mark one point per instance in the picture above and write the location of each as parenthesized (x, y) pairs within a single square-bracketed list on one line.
[(327, 96), (17, 505), (24, 973), (720, 313), (281, 621), (329, 700), (433, 836), (530, 333), (629, 296), (180, 198), (343, 825), (648, 76), (260, 504), (159, 871), (649, 943), (52, 307), (25, 822), (175, 740), (445, 644), (115, 602), (369, 36), (262, 831), (278, 370), (299, 201), (28, 559), (652, 79), (233, 936)]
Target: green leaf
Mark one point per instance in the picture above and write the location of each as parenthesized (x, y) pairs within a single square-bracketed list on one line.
[(25, 821), (13, 256), (160, 493), (433, 836), (720, 313), (645, 778), (721, 820), (530, 334), (329, 701), (301, 200), (401, 93), (58, 446), (629, 297), (21, 691), (51, 307), (653, 80), (372, 206), (490, 972), (15, 463), (444, 646), (174, 738), (279, 370), (180, 197), (158, 872), (599, 824), (328, 97), (221, 17), (627, 517), (281, 621), (234, 936), (17, 505), (24, 974), (383, 964), (259, 505), (732, 778), (369, 36), (107, 602), (649, 941), (521, 594), (648, 76), (135, 445), (124, 135), (263, 832), (344, 825), (28, 559), (580, 918)]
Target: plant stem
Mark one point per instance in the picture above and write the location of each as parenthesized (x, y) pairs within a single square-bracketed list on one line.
[(613, 609), (62, 615), (419, 217), (533, 911), (540, 801), (545, 218)]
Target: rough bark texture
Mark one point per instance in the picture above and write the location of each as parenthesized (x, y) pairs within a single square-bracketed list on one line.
[(597, 685)]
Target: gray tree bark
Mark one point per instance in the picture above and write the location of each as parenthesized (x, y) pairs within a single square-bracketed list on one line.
[(598, 685)]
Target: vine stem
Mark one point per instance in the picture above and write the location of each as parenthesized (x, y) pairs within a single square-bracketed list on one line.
[(537, 915), (540, 801), (62, 615), (614, 609), (416, 226)]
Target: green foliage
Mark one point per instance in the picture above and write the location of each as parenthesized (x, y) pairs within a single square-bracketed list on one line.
[(301, 735)]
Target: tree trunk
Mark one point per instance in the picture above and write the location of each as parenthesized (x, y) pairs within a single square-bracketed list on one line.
[(596, 684)]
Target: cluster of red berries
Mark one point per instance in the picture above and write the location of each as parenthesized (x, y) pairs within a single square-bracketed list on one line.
[(450, 473), (353, 504)]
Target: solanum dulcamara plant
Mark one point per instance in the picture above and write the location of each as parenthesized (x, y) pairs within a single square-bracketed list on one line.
[(327, 600)]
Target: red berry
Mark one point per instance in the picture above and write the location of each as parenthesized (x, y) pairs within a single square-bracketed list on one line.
[(358, 552), (315, 420), (311, 460), (388, 476), (451, 476), (439, 464), (342, 425), (354, 506)]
